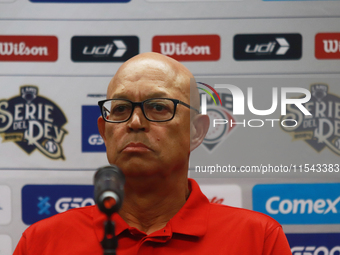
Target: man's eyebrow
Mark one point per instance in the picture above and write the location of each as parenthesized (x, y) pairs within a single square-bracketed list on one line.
[(147, 96)]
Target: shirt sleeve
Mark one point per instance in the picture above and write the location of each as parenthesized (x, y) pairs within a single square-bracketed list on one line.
[(276, 243)]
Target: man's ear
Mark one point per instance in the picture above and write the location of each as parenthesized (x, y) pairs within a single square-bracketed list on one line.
[(101, 127), (199, 128)]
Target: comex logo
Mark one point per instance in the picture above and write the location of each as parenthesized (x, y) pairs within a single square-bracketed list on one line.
[(313, 250), (216, 133), (275, 205), (317, 203)]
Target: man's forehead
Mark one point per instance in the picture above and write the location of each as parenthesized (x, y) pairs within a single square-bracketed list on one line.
[(154, 76)]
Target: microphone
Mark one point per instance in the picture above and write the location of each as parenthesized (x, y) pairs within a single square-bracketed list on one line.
[(109, 189)]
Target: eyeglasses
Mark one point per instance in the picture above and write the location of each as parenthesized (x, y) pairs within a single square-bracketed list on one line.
[(154, 109)]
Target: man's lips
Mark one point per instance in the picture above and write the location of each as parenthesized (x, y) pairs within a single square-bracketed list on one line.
[(136, 147)]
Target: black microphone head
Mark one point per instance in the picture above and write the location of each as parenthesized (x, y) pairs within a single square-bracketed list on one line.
[(109, 189)]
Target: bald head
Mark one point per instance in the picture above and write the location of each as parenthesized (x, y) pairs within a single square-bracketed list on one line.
[(157, 67)]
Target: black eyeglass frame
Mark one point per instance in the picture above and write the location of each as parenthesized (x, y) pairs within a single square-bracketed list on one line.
[(141, 105)]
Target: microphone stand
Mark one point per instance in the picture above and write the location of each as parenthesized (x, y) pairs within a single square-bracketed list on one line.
[(109, 193), (109, 242)]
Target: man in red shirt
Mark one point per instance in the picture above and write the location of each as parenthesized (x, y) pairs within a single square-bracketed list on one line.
[(152, 127)]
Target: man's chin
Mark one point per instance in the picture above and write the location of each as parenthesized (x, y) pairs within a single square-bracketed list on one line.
[(134, 167)]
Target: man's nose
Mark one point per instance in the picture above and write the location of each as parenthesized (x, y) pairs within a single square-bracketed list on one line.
[(137, 120)]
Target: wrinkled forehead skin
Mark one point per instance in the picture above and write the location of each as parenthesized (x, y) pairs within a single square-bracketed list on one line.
[(157, 67)]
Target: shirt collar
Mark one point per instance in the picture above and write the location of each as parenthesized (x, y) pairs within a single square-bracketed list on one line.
[(191, 219)]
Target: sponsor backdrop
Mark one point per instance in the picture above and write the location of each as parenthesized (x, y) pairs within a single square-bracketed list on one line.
[(274, 141)]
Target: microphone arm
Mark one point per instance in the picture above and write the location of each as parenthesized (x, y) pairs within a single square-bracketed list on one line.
[(109, 193)]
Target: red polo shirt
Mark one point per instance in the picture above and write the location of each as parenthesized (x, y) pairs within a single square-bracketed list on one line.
[(198, 228)]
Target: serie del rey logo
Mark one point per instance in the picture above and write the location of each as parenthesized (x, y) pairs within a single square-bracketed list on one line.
[(188, 47), (33, 122), (321, 129), (29, 48), (327, 46)]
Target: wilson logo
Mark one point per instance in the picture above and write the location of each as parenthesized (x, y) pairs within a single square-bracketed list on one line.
[(189, 47), (28, 48), (327, 46)]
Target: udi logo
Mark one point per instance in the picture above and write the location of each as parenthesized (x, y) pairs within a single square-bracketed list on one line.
[(267, 46), (103, 48), (29, 48), (299, 203), (188, 47), (327, 46)]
